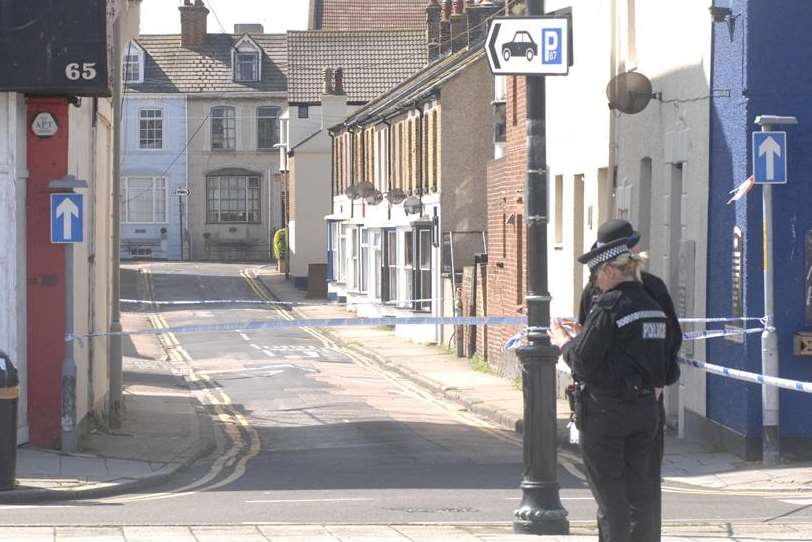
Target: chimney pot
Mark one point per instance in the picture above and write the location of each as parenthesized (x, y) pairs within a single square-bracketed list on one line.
[(339, 82), (446, 10), (459, 7), (328, 81)]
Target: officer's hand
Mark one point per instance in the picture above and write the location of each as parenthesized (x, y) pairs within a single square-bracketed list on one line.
[(558, 335)]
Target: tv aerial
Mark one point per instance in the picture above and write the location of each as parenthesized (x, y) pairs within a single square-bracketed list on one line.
[(630, 93)]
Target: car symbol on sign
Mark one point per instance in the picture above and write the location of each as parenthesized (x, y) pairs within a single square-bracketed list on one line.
[(522, 45)]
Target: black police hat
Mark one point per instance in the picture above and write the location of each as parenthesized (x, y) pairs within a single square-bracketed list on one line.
[(604, 252)]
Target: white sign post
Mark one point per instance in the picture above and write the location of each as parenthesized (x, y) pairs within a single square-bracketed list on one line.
[(529, 46)]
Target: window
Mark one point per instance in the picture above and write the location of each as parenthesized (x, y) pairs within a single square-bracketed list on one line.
[(232, 199), (342, 251), (392, 264), (304, 112), (246, 66), (150, 129), (143, 200), (132, 68), (499, 122), (424, 274), (363, 262), (267, 127), (133, 64), (223, 129), (408, 267), (377, 263), (352, 260)]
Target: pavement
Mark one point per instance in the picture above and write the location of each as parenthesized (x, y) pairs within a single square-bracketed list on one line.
[(499, 399), (163, 430), (371, 533)]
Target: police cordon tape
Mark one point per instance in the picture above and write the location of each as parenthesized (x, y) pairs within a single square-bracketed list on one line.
[(274, 303), (318, 323), (516, 341)]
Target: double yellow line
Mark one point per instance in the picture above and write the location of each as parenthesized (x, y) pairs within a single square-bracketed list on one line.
[(207, 393)]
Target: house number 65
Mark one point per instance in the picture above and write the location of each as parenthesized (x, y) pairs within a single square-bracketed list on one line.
[(74, 72)]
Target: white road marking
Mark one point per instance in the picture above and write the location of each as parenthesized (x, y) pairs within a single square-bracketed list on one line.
[(562, 498), (268, 353), (799, 502), (284, 501), (255, 346), (244, 336)]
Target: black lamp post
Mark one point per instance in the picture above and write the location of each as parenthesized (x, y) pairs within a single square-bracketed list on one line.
[(540, 511)]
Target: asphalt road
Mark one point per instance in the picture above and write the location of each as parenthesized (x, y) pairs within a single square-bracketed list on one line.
[(310, 434)]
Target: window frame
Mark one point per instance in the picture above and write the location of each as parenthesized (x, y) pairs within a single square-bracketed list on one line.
[(125, 197), (248, 209), (274, 123), (240, 63), (132, 51), (159, 120), (225, 127)]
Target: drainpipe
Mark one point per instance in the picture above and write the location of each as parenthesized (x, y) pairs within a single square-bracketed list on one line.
[(116, 379)]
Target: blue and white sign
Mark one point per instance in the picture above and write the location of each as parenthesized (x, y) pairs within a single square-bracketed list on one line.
[(67, 218), (529, 46), (770, 157)]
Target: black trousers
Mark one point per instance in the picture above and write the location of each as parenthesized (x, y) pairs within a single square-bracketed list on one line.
[(619, 442)]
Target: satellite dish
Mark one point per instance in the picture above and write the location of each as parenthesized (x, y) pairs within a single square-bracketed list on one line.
[(374, 198), (352, 192), (395, 196), (365, 189), (629, 92)]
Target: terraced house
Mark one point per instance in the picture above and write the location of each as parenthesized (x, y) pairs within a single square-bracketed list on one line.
[(409, 174), (202, 115), (373, 46)]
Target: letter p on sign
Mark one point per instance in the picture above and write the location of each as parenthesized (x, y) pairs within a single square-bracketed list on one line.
[(551, 46)]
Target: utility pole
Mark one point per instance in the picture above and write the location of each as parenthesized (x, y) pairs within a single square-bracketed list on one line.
[(541, 511), (771, 450)]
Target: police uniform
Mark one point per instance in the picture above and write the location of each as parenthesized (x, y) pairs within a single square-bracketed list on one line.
[(657, 289), (620, 357)]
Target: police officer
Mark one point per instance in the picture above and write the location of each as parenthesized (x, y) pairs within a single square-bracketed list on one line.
[(656, 288), (620, 357)]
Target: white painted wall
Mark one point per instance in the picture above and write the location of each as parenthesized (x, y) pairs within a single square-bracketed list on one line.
[(13, 176), (578, 152), (672, 132)]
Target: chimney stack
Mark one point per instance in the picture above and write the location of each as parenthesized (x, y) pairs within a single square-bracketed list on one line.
[(477, 15), (193, 23), (333, 99), (445, 28), (459, 27), (433, 13)]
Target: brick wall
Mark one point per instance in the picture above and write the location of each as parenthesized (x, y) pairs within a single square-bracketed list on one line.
[(506, 269)]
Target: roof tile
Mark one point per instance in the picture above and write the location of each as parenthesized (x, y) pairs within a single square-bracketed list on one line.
[(169, 67), (368, 14), (373, 61)]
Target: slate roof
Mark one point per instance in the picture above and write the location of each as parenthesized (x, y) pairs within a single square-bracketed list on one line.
[(373, 62), (367, 15), (419, 85), (170, 67)]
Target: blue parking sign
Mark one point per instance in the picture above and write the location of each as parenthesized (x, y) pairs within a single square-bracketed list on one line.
[(551, 46), (67, 220)]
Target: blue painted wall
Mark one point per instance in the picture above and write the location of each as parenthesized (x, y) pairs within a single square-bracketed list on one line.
[(138, 162), (763, 66)]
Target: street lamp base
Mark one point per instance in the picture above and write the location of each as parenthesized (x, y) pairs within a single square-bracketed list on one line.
[(541, 511)]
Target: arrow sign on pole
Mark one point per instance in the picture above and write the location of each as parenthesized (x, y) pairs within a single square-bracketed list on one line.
[(529, 45), (67, 210), (66, 218), (771, 150), (770, 157)]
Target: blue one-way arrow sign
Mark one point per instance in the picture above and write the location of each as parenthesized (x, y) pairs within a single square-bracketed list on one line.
[(67, 218), (770, 157)]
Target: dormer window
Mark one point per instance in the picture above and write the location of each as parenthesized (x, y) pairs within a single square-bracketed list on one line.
[(133, 64), (246, 60)]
